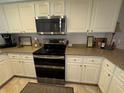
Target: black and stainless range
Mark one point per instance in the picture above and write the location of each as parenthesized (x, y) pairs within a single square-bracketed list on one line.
[(50, 63)]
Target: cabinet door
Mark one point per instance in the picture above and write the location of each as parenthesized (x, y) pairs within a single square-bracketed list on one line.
[(104, 81), (17, 68), (5, 72), (91, 73), (27, 16), (116, 86), (2, 72), (58, 7), (105, 15), (3, 21), (78, 15), (13, 18), (73, 72), (29, 68), (42, 8)]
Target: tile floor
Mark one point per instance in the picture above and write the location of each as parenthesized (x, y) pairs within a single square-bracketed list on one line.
[(17, 84)]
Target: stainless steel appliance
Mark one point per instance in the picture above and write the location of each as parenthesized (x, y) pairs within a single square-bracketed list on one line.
[(51, 25), (6, 40), (50, 63)]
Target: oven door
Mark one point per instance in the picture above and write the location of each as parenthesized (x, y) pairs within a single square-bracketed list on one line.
[(50, 72), (50, 66)]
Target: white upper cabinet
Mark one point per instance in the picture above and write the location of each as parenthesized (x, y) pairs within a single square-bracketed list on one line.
[(3, 21), (42, 8), (13, 18), (105, 15), (78, 15), (92, 15), (27, 16), (58, 7)]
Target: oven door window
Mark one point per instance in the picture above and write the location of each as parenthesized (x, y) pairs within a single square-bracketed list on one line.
[(50, 73), (51, 62)]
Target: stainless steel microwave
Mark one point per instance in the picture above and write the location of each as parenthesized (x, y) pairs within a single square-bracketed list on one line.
[(51, 25)]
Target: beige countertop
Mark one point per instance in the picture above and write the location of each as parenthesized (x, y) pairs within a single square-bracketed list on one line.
[(116, 56), (25, 49)]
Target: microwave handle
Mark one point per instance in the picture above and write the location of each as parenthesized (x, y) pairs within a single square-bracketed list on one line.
[(60, 24)]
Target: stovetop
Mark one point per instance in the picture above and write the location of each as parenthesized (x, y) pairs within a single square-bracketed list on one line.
[(51, 49)]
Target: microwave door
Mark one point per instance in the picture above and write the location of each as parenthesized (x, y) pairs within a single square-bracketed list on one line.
[(55, 25), (43, 25)]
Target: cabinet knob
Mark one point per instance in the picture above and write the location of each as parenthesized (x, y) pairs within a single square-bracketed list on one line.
[(109, 75), (74, 59), (84, 65), (92, 60), (80, 65), (107, 65)]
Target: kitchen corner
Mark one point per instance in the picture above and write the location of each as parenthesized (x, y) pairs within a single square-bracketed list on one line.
[(116, 56)]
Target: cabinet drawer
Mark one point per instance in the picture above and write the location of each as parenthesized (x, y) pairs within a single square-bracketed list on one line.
[(26, 56), (74, 59), (13, 56), (93, 60), (108, 65)]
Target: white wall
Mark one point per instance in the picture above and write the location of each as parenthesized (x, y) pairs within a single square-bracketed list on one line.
[(120, 35)]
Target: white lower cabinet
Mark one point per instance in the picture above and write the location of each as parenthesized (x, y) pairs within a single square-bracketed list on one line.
[(73, 72), (78, 71), (17, 68), (91, 73), (106, 75), (116, 86), (29, 68), (5, 71), (23, 65), (105, 80)]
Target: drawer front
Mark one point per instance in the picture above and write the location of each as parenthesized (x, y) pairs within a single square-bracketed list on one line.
[(108, 65), (26, 56), (93, 60), (3, 57), (13, 56), (74, 59)]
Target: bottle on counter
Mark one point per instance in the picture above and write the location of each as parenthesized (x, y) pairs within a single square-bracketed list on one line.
[(103, 43), (36, 43)]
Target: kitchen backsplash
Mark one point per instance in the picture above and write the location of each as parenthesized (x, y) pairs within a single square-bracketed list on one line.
[(74, 38)]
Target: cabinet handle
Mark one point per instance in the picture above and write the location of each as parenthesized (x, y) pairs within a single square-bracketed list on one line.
[(80, 65)]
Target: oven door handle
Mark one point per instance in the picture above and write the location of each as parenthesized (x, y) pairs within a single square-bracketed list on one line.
[(50, 67), (49, 57)]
